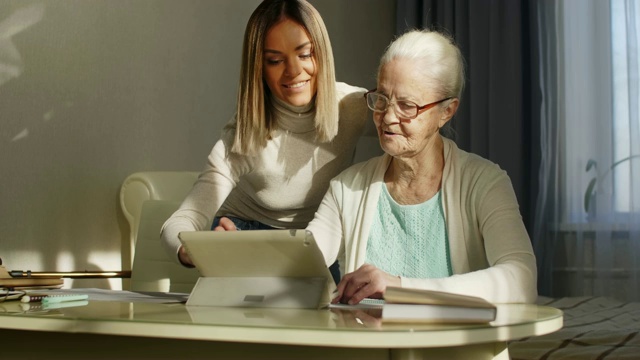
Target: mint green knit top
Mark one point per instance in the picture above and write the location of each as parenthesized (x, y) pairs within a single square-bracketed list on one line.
[(409, 240)]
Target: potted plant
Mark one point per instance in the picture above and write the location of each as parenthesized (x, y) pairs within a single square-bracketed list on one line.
[(590, 193)]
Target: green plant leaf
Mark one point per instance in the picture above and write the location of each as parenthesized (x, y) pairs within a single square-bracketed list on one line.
[(588, 194), (591, 164)]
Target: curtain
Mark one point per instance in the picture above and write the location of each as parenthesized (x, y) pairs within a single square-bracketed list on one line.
[(552, 97), (586, 232), (496, 117)]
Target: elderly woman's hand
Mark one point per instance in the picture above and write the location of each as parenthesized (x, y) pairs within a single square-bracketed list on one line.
[(366, 282)]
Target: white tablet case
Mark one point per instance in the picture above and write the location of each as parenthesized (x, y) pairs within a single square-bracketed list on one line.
[(258, 268)]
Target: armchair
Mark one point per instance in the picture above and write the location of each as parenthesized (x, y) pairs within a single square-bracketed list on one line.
[(147, 200)]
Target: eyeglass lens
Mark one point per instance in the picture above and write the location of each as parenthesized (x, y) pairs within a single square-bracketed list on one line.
[(380, 103)]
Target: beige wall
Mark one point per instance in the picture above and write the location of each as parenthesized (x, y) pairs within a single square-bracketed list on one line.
[(93, 90)]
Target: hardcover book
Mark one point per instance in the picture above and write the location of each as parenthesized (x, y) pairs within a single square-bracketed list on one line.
[(7, 281), (415, 305)]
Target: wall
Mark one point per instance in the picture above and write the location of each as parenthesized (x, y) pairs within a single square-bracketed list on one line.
[(93, 90)]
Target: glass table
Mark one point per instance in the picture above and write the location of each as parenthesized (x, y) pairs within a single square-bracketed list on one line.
[(133, 330)]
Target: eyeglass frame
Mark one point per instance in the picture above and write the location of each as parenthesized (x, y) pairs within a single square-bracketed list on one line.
[(418, 107)]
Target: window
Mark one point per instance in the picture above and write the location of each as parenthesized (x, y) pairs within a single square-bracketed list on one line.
[(625, 52)]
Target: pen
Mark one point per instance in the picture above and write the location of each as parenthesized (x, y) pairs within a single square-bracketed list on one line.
[(70, 274), (51, 299), (64, 304), (40, 307), (20, 273), (54, 299), (32, 298)]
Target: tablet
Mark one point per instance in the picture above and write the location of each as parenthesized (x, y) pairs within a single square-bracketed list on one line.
[(258, 268)]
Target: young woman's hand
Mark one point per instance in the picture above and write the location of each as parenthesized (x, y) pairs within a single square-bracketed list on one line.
[(184, 258), (225, 224)]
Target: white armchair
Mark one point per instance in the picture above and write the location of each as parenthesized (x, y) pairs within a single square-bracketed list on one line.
[(147, 200)]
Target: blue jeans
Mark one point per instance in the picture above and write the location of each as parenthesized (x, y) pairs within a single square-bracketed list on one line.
[(256, 225)]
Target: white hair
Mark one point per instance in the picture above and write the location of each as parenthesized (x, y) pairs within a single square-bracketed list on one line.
[(440, 59)]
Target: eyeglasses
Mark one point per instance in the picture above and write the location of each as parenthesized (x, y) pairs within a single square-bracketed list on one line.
[(404, 109), (10, 294)]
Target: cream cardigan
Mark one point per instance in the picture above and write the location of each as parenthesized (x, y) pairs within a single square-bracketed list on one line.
[(491, 253)]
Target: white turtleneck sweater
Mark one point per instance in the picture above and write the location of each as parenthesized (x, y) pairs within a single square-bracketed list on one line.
[(283, 185)]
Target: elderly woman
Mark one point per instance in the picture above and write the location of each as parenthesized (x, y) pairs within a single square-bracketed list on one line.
[(425, 214)]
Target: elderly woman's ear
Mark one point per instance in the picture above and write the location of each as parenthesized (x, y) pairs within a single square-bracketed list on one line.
[(449, 111)]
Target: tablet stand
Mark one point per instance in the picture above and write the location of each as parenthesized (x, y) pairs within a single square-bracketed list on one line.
[(269, 292)]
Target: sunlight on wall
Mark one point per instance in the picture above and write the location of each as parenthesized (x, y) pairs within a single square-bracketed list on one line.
[(65, 262), (46, 117), (21, 135), (11, 64), (109, 261), (10, 60)]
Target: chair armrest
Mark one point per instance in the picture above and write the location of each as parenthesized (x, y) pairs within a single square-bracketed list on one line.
[(171, 186)]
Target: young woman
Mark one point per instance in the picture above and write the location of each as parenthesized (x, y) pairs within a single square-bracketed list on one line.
[(295, 128)]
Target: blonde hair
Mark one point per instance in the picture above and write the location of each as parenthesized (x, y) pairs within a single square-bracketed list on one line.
[(255, 119), (439, 57)]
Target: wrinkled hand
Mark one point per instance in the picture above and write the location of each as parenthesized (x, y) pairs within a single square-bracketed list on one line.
[(225, 224), (366, 282)]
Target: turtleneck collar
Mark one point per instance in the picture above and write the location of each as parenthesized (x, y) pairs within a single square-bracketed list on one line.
[(295, 119)]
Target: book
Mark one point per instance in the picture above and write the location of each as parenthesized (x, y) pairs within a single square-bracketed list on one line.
[(428, 306), (18, 283), (365, 304)]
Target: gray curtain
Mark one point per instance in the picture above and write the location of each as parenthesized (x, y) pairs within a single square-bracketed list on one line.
[(498, 115), (587, 228), (546, 212)]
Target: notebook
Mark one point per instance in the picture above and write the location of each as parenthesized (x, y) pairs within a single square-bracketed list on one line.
[(258, 268)]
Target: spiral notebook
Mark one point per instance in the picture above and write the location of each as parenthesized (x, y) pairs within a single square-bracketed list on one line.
[(258, 268)]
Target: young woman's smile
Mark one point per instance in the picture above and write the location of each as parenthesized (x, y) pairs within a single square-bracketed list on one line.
[(289, 63)]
